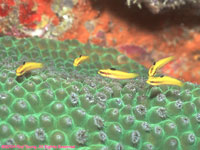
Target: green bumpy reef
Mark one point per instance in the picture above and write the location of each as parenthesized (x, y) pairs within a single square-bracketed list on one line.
[(75, 106)]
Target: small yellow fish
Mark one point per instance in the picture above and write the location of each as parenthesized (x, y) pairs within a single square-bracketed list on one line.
[(79, 60), (159, 64), (27, 66), (116, 74), (163, 80)]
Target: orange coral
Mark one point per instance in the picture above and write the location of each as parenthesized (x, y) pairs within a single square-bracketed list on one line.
[(31, 11), (28, 15), (6, 7)]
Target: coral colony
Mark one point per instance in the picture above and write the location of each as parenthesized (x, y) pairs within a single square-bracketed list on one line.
[(62, 105)]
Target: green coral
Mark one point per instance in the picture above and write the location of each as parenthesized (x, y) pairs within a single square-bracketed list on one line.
[(64, 105)]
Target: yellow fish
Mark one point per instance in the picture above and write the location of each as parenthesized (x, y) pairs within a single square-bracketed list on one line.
[(27, 66), (159, 64), (116, 74), (79, 60), (164, 80)]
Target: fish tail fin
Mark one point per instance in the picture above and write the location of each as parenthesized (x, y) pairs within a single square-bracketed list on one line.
[(41, 65), (134, 75), (181, 83), (172, 58)]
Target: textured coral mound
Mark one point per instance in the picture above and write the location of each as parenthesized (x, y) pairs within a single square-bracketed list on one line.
[(143, 36), (67, 106)]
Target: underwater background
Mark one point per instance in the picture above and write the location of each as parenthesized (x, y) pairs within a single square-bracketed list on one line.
[(96, 105)]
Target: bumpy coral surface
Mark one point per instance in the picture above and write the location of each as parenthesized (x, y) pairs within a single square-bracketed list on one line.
[(138, 33), (67, 106)]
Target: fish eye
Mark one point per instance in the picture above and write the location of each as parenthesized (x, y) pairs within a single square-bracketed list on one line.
[(154, 63), (24, 63), (80, 55)]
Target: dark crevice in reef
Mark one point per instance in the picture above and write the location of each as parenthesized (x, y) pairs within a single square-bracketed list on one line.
[(145, 19)]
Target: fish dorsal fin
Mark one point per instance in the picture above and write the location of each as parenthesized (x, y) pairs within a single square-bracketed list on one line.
[(154, 63), (113, 69), (80, 56), (24, 63)]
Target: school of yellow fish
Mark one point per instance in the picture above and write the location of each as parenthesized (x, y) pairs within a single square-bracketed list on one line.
[(161, 80), (114, 73)]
